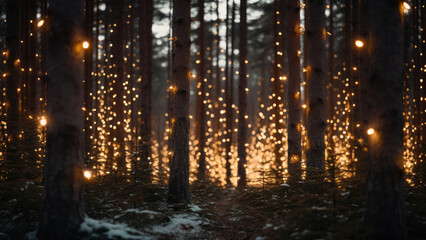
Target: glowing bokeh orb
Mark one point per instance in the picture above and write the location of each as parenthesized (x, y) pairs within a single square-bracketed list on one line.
[(43, 122), (359, 43), (85, 44), (370, 131), (87, 174)]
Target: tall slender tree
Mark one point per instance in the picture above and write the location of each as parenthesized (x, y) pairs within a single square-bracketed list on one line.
[(145, 46), (201, 95), (229, 69), (12, 9), (117, 76), (179, 162), (242, 98), (294, 128), (63, 203), (385, 214), (278, 91), (315, 30)]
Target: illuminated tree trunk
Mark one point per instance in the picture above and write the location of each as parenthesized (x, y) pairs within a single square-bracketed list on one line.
[(145, 30), (63, 207), (294, 137), (118, 85), (385, 214), (278, 92), (12, 42), (242, 98), (315, 26), (200, 124), (179, 161)]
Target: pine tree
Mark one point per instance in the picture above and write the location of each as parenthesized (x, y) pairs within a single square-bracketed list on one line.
[(315, 30), (12, 80), (294, 124), (242, 98), (63, 204), (385, 214), (179, 162)]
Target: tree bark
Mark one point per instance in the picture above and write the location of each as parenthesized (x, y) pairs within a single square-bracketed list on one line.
[(385, 214), (145, 30), (117, 86), (88, 80), (201, 95), (294, 128), (315, 30), (242, 98), (278, 92), (179, 162), (63, 204), (229, 69), (12, 66)]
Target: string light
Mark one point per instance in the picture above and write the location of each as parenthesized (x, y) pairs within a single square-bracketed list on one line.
[(40, 23), (359, 43), (43, 121), (370, 131), (87, 174), (406, 6), (85, 44)]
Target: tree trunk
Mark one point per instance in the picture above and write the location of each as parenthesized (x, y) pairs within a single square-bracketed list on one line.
[(294, 128), (229, 69), (242, 98), (88, 80), (63, 207), (200, 124), (12, 10), (278, 92), (218, 80), (385, 214), (118, 86), (145, 31), (179, 162), (315, 30)]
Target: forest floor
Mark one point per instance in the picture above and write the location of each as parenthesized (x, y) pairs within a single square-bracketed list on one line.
[(125, 210)]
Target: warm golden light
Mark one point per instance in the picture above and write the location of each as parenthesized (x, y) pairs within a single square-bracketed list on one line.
[(87, 174), (40, 23), (85, 44), (406, 6), (370, 131), (359, 43), (43, 121)]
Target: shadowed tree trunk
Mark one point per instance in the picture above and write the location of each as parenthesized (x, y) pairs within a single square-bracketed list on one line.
[(201, 93), (12, 10), (63, 207), (88, 80), (315, 30), (385, 214), (145, 29), (294, 128), (278, 92), (242, 98), (179, 162), (118, 85), (229, 69)]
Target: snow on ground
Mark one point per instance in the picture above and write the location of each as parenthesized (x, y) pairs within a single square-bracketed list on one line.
[(103, 229), (180, 225)]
